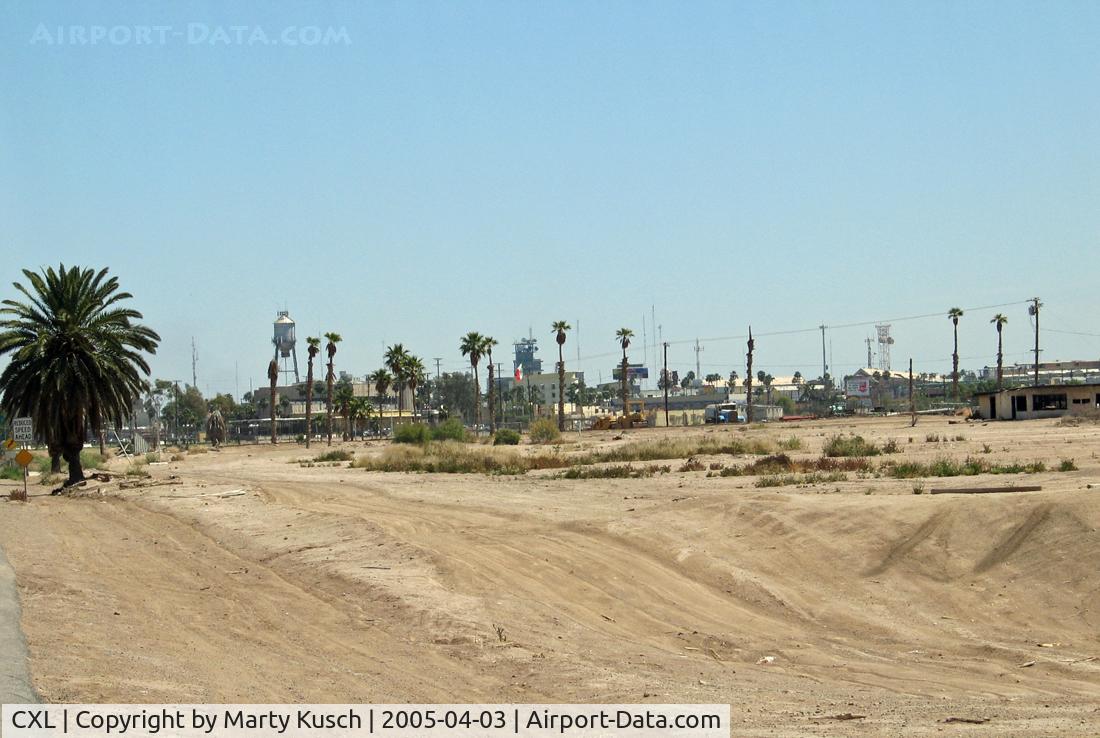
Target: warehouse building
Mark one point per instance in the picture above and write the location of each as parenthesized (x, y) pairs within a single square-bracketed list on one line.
[(1040, 401)]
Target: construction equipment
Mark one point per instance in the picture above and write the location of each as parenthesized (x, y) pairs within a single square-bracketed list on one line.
[(634, 418)]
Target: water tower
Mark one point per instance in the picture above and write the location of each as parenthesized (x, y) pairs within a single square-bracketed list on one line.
[(285, 344)]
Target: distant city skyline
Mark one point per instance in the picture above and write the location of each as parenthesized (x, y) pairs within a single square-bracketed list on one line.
[(446, 167)]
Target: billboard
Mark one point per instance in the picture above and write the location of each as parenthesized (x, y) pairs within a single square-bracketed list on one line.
[(858, 387), (633, 371)]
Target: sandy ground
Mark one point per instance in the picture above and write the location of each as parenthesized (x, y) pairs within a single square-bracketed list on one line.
[(331, 584)]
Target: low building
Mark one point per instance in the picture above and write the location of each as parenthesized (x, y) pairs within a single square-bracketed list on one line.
[(1039, 401)]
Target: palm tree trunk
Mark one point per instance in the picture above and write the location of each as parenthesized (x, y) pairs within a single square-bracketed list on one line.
[(492, 397), (955, 365), (328, 410), (477, 403), (561, 389), (70, 450), (274, 428), (309, 401), (623, 381), (1000, 361)]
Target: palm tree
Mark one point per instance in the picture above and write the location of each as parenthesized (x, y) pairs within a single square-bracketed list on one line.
[(330, 378), (558, 328), (413, 369), (472, 345), (359, 407), (342, 396), (381, 379), (487, 348), (313, 347), (954, 314), (395, 358), (999, 321), (623, 335), (76, 357), (273, 377)]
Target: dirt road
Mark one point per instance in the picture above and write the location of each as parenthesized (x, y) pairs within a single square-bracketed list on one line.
[(331, 584)]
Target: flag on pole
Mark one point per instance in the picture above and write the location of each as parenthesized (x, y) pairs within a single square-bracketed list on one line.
[(519, 374)]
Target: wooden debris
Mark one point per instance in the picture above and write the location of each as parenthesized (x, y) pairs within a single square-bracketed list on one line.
[(1027, 664), (839, 716), (985, 490), (972, 721)]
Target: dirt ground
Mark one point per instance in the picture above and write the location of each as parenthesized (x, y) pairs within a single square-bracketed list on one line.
[(261, 580)]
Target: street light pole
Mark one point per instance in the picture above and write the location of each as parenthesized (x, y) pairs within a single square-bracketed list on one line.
[(664, 381)]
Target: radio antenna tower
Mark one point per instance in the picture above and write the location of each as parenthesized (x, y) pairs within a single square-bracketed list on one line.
[(884, 343)]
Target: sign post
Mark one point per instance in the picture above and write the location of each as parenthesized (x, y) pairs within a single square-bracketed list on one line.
[(22, 431)]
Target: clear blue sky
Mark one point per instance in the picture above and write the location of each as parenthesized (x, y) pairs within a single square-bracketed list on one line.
[(492, 166)]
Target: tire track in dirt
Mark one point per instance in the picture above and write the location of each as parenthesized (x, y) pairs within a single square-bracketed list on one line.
[(1012, 542), (901, 548)]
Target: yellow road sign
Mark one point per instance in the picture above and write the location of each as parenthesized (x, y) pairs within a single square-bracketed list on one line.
[(24, 457), (9, 444)]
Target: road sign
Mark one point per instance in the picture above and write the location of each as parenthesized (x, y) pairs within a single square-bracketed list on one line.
[(22, 430), (24, 458)]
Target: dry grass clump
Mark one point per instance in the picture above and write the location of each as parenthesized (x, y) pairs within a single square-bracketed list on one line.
[(841, 445), (452, 457), (788, 480), (668, 448), (337, 454), (783, 464), (620, 471), (968, 467)]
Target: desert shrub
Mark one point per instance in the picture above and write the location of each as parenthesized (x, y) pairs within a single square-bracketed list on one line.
[(450, 429), (891, 447), (506, 437), (11, 472), (137, 469), (692, 465), (446, 457), (335, 455), (195, 450), (770, 465), (786, 480), (92, 459), (668, 448), (1067, 465), (152, 457), (544, 430), (841, 445), (794, 443), (412, 433), (932, 438), (177, 457), (621, 471)]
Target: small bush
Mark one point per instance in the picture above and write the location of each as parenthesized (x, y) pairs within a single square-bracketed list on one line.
[(177, 457), (621, 471), (506, 437), (450, 429), (1067, 465), (195, 450), (412, 433), (335, 455), (91, 459), (152, 457), (891, 447), (692, 465), (794, 443), (850, 446), (544, 430), (12, 472)]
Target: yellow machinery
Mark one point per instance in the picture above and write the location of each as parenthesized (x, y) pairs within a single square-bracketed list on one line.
[(634, 418)]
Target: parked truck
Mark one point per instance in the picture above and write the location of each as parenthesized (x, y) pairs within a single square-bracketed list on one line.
[(723, 412)]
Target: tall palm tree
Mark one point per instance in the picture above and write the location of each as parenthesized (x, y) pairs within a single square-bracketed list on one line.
[(273, 378), (623, 336), (487, 348), (999, 321), (76, 357), (313, 347), (413, 374), (330, 379), (472, 345), (954, 314), (395, 359), (558, 328), (342, 396), (381, 379)]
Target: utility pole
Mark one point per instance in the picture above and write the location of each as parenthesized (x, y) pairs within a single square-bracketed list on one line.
[(500, 396), (869, 341), (194, 364), (437, 360), (912, 402), (824, 364), (1034, 310), (664, 381), (698, 366), (748, 379)]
